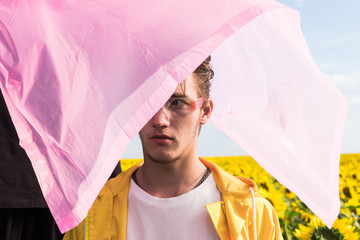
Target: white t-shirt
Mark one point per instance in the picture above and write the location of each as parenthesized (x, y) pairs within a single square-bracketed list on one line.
[(184, 217)]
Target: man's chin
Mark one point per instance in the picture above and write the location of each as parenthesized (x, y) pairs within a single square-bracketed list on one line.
[(162, 158)]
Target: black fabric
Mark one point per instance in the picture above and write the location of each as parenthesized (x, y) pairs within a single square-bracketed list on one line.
[(28, 224), (24, 213), (19, 187)]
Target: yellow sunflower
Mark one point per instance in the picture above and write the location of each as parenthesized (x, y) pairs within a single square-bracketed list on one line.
[(346, 228), (342, 229)]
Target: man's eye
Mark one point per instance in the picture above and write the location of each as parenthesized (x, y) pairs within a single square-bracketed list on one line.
[(175, 102), (179, 102)]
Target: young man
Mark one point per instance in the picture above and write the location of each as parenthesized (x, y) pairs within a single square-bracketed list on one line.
[(174, 194)]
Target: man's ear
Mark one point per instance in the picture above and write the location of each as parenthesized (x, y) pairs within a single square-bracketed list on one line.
[(206, 111)]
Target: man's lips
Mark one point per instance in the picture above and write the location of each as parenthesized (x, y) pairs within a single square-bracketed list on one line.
[(161, 138)]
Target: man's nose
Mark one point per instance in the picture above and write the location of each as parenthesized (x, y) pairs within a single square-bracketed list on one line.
[(161, 118)]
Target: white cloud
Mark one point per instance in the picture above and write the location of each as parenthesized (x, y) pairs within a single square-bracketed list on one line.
[(350, 67), (349, 85), (345, 80)]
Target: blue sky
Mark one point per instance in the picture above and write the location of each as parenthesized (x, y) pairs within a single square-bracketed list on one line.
[(332, 31)]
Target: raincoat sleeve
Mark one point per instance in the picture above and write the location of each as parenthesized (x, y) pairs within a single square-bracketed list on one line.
[(267, 221)]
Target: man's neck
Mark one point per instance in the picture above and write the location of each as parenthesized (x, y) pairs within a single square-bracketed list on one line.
[(165, 180)]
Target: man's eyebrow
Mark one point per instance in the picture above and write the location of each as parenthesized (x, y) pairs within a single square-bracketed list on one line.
[(178, 95)]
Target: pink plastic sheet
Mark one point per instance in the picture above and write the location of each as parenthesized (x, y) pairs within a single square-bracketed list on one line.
[(81, 78)]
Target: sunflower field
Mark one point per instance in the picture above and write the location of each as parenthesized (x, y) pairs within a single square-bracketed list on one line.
[(296, 220)]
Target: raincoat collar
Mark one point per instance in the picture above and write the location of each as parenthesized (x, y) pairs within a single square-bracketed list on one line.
[(230, 214), (224, 181)]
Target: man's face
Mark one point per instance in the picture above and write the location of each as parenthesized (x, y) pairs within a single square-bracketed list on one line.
[(167, 136)]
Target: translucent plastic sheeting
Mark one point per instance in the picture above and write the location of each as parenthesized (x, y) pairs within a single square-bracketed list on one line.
[(271, 99), (81, 78)]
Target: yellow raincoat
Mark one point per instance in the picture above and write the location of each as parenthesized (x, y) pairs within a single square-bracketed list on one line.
[(232, 217)]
